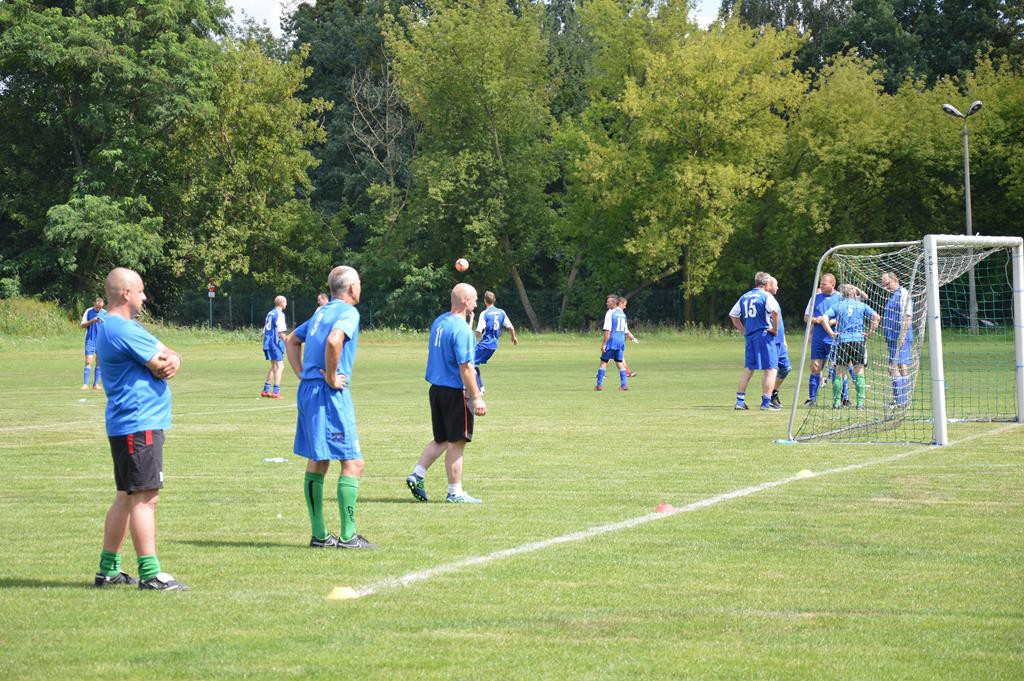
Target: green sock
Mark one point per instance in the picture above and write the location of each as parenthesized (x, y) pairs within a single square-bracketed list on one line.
[(348, 490), (110, 563), (314, 489), (837, 389), (149, 567), (861, 389)]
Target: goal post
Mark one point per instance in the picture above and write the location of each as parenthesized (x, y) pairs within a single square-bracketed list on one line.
[(970, 288)]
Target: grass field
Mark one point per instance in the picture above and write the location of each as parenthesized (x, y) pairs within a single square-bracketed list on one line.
[(908, 566)]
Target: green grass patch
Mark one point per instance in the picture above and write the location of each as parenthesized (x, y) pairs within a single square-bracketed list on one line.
[(906, 569)]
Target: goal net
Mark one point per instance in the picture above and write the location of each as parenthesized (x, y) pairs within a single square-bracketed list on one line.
[(940, 324)]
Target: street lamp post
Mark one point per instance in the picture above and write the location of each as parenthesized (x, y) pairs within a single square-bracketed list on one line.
[(972, 293)]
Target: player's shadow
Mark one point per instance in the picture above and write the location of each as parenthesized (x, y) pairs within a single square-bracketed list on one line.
[(388, 500), (22, 583), (232, 544)]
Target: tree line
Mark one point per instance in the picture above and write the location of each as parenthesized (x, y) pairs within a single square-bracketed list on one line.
[(566, 148)]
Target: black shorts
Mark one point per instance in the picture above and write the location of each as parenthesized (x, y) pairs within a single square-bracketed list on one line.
[(850, 352), (450, 416), (138, 460)]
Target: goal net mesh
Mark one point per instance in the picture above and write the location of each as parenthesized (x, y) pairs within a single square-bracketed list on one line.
[(978, 351)]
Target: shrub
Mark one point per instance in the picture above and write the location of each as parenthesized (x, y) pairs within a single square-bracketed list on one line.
[(27, 317)]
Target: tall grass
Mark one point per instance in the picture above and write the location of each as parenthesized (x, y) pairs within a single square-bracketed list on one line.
[(30, 318)]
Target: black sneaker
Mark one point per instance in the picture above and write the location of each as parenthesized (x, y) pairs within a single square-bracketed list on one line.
[(118, 579), (777, 402), (631, 374), (357, 541), (810, 403), (846, 402), (741, 406), (415, 484), (329, 542), (163, 582)]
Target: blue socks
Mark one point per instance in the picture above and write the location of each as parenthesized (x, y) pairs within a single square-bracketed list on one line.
[(812, 387), (479, 379), (96, 375), (600, 376), (740, 398), (622, 377), (901, 389), (85, 377), (277, 389), (266, 387)]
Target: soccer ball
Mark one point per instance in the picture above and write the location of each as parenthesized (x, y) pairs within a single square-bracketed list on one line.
[(462, 264)]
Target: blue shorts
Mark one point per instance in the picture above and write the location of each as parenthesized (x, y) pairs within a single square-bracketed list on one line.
[(274, 354), (762, 352), (899, 355), (821, 347), (325, 429), (616, 355), (90, 348), (784, 364), (483, 354)]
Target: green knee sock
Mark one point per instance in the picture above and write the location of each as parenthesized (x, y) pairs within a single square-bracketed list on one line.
[(313, 486), (861, 389), (348, 490), (110, 563), (149, 567), (837, 389)]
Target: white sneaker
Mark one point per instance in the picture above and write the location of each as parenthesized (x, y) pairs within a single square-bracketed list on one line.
[(462, 499)]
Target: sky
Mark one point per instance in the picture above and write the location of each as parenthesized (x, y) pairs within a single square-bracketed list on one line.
[(269, 11)]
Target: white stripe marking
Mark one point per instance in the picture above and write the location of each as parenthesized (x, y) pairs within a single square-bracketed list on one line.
[(423, 575)]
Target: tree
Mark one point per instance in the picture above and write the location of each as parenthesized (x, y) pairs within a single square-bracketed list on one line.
[(91, 95), (702, 126), (234, 170), (475, 77)]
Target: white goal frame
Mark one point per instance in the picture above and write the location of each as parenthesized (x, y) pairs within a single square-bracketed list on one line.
[(930, 246)]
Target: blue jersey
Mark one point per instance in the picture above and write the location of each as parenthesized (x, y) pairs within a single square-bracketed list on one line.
[(755, 309), (273, 326), (451, 343), (490, 326), (780, 335), (136, 400), (898, 307), (851, 315), (92, 330), (615, 324), (818, 306), (336, 314)]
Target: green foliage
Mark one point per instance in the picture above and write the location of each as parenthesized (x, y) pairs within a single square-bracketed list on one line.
[(238, 166), (908, 38), (91, 97), (704, 120), (481, 70), (94, 234), (29, 318)]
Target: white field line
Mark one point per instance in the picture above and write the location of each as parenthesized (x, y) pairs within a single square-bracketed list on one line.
[(78, 424), (476, 561)]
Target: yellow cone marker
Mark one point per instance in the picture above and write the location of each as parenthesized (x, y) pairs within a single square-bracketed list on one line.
[(342, 593)]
